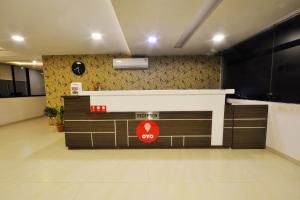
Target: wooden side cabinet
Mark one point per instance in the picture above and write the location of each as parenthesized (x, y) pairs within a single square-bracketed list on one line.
[(249, 126)]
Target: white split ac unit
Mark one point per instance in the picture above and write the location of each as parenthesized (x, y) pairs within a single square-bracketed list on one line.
[(130, 63)]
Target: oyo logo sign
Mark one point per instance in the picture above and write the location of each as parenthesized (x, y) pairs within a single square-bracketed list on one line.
[(147, 131)]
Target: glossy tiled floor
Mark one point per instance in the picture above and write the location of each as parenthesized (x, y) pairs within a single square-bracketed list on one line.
[(34, 164)]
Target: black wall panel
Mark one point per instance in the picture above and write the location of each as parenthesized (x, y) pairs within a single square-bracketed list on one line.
[(286, 75), (266, 66), (287, 31)]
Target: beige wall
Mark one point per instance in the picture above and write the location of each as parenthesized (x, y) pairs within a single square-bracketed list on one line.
[(166, 72), (283, 126), (5, 72), (20, 108), (37, 85)]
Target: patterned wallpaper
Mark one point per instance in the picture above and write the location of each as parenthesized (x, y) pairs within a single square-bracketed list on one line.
[(165, 72)]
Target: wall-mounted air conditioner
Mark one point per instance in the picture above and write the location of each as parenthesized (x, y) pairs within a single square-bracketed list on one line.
[(130, 63)]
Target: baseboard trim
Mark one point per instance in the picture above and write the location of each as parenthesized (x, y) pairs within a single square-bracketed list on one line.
[(283, 155)]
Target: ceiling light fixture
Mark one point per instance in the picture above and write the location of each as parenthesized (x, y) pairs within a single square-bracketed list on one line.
[(17, 38), (218, 38), (34, 61), (152, 40), (96, 36)]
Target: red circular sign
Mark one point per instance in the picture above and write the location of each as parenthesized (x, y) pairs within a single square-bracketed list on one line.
[(147, 131)]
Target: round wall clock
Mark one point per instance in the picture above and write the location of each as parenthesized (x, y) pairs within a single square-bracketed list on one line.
[(78, 68)]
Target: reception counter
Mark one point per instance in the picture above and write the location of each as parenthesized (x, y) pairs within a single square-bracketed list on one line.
[(186, 118)]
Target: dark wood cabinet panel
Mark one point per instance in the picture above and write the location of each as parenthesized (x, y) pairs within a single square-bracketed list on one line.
[(186, 115), (76, 104), (177, 141), (161, 142), (228, 112), (249, 127), (227, 137), (228, 123), (78, 140), (89, 126), (249, 138), (250, 123), (104, 140), (121, 133), (250, 111), (197, 142), (178, 127), (99, 116)]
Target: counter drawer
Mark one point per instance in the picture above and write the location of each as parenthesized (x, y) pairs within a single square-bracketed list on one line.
[(250, 111), (249, 138), (103, 140), (78, 140), (161, 142), (197, 142), (177, 141), (89, 126), (250, 123)]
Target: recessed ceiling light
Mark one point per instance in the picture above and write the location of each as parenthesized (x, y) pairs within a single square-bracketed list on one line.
[(17, 38), (34, 61), (218, 38), (152, 40), (118, 61), (96, 36)]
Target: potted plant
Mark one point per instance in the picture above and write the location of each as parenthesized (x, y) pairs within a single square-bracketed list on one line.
[(57, 115), (51, 113), (60, 119)]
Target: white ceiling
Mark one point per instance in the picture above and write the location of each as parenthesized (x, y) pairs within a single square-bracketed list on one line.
[(56, 27), (237, 19)]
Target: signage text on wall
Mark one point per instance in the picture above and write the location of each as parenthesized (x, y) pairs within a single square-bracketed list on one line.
[(146, 115)]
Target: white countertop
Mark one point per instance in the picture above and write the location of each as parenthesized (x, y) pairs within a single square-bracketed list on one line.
[(156, 92)]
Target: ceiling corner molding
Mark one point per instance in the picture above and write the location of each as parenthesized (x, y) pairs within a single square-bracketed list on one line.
[(208, 7), (120, 28)]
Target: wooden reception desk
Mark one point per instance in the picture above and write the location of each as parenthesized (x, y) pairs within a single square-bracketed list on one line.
[(186, 119)]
